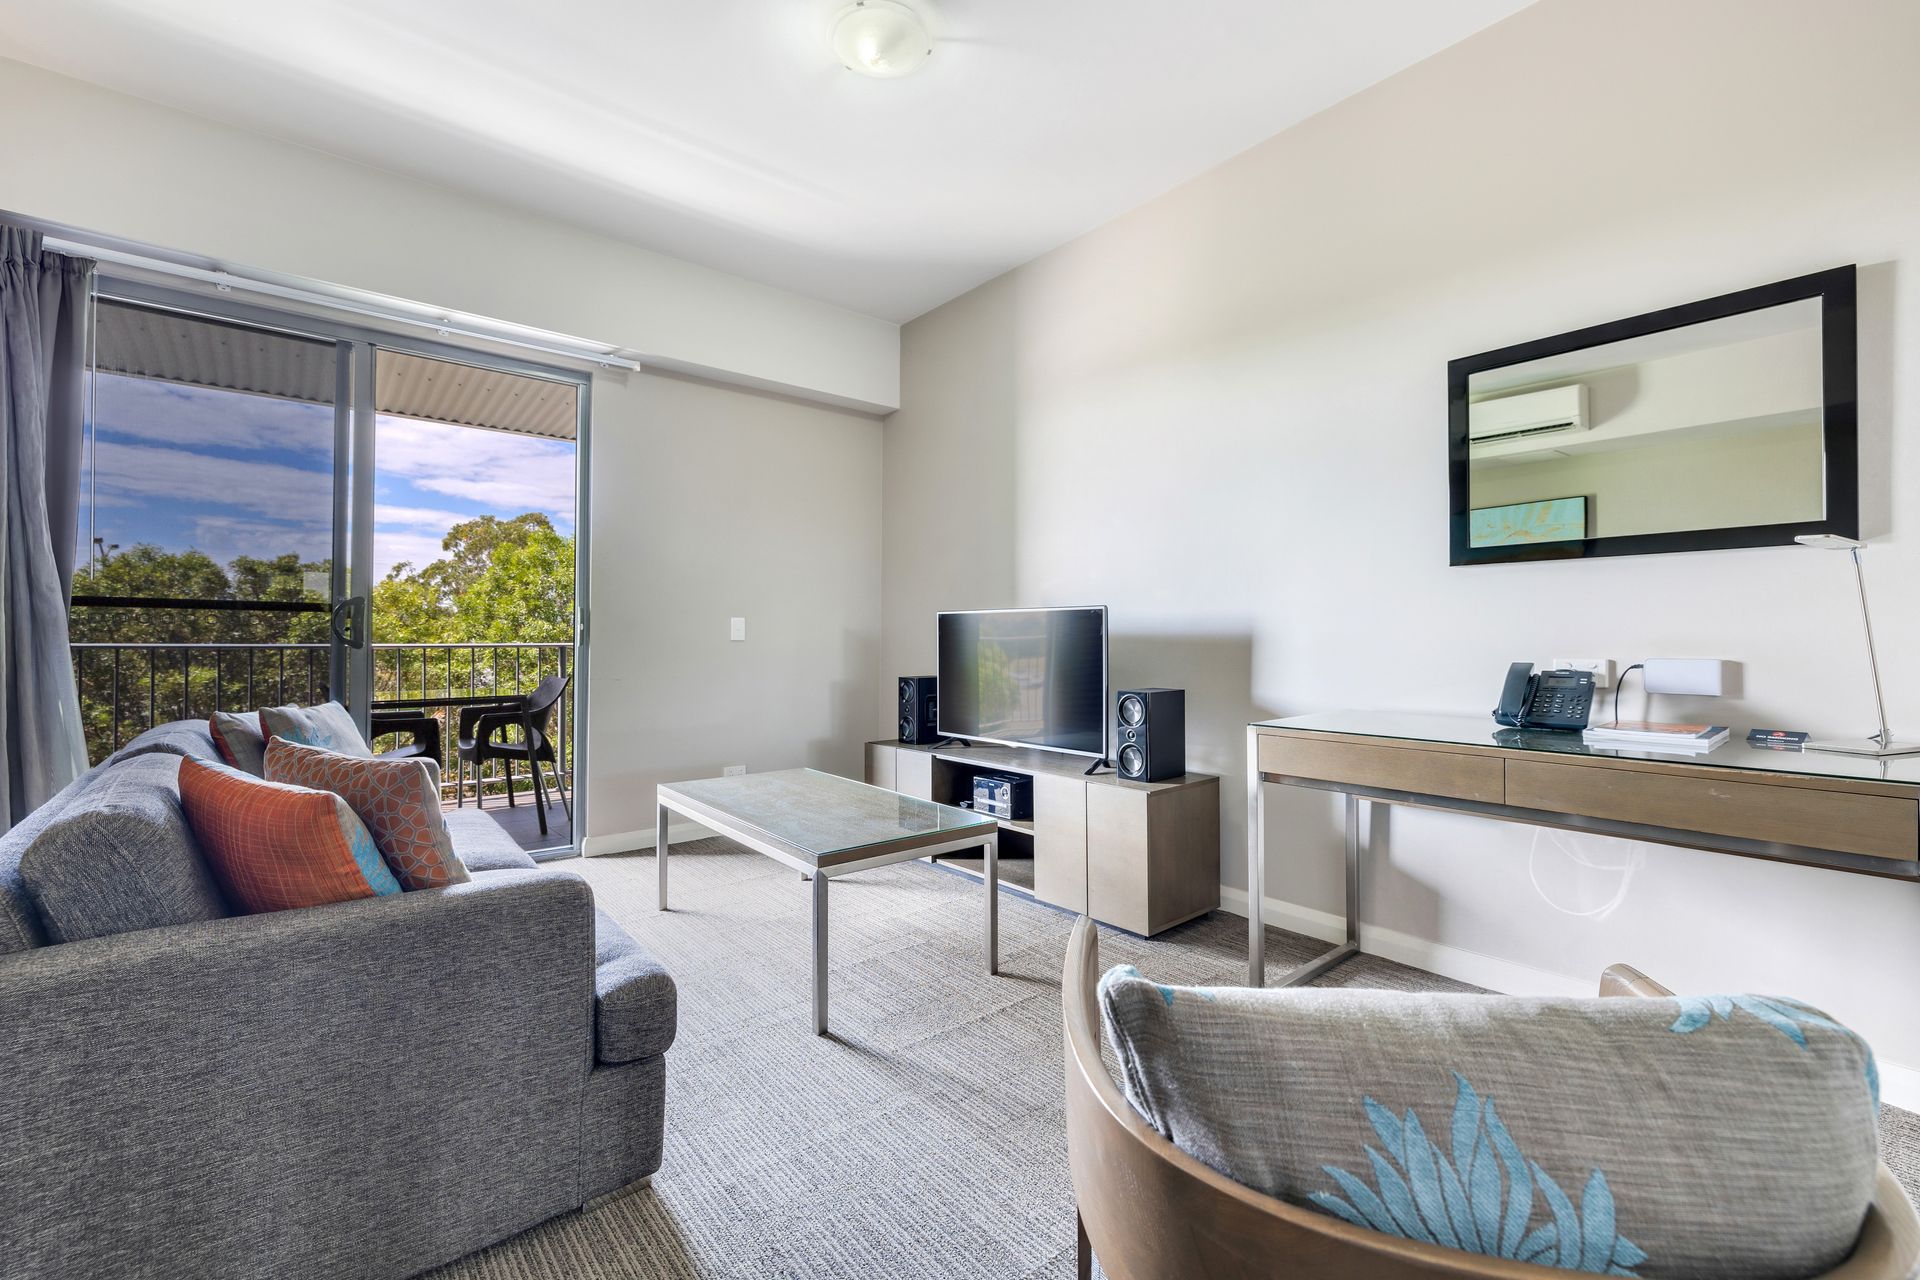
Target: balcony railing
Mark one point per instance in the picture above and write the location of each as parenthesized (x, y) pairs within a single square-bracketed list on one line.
[(126, 688)]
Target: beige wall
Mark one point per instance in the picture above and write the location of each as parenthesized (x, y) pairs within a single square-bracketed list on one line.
[(122, 167), (1224, 414), (711, 503)]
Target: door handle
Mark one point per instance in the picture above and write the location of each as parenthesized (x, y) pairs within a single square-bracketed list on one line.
[(350, 607)]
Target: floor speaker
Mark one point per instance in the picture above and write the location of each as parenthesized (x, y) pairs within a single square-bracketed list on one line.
[(1150, 734), (919, 710)]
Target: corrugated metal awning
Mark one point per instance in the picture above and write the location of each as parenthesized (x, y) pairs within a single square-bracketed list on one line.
[(146, 342)]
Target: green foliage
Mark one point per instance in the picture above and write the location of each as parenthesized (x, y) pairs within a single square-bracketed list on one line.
[(500, 581)]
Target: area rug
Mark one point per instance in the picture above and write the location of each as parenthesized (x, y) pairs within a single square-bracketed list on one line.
[(924, 1137)]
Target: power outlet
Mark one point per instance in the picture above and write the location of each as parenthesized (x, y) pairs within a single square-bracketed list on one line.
[(733, 770), (737, 629), (1602, 668)]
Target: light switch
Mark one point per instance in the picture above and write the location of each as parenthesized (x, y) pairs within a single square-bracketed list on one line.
[(739, 631)]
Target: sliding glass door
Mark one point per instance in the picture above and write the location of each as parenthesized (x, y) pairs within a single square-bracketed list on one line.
[(211, 556), (284, 508)]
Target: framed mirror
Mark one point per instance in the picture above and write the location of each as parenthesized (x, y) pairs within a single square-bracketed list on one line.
[(1725, 423)]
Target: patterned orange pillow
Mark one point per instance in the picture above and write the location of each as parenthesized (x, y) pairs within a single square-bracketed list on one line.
[(275, 847), (399, 800)]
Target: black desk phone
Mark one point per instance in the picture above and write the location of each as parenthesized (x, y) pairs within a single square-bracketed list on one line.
[(1549, 700)]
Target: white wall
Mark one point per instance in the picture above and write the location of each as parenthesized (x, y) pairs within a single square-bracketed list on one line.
[(708, 501), (711, 503), (1224, 415), (112, 164)]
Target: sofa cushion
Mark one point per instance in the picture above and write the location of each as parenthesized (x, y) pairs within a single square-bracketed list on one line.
[(274, 847), (1724, 1136), (120, 857), (189, 738), (239, 739), (635, 1004), (398, 799), (481, 844), (327, 725)]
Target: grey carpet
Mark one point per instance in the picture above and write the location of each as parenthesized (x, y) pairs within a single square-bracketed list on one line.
[(925, 1137)]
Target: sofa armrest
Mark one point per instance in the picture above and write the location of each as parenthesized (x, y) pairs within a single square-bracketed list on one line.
[(220, 1098)]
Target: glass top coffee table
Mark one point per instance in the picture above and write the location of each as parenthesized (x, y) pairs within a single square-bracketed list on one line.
[(826, 826)]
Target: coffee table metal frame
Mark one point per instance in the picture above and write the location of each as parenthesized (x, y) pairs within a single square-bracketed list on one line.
[(823, 869)]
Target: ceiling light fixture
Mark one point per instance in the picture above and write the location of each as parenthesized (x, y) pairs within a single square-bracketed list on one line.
[(880, 38)]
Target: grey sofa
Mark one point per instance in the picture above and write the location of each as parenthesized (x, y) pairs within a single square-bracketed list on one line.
[(365, 1089)]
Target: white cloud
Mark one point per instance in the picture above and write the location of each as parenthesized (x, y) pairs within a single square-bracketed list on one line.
[(154, 474), (201, 416), (390, 549), (505, 473), (225, 538)]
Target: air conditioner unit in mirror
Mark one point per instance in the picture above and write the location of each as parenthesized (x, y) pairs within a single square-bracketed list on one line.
[(1554, 411)]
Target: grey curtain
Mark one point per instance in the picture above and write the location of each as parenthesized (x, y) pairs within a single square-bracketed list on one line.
[(43, 346)]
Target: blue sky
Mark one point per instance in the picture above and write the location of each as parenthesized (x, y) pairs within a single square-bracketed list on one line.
[(237, 474)]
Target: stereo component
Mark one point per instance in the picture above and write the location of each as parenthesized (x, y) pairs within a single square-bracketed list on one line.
[(919, 708), (1150, 734)]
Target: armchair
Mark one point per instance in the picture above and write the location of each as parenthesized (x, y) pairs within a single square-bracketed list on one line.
[(1151, 1211), (483, 736)]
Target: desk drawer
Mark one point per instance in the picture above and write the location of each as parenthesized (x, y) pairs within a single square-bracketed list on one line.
[(1840, 821), (1425, 770)]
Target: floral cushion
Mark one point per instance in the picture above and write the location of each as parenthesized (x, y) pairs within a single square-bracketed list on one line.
[(1717, 1137), (240, 740), (399, 800), (327, 725), (274, 847)]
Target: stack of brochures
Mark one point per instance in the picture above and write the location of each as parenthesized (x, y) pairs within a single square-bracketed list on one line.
[(1647, 735)]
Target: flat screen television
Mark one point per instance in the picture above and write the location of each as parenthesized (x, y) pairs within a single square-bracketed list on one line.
[(1025, 678)]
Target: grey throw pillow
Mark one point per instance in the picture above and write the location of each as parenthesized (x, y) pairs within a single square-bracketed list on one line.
[(327, 726), (1711, 1137), (120, 857), (240, 740)]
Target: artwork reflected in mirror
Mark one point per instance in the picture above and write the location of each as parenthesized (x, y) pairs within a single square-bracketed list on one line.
[(1723, 423)]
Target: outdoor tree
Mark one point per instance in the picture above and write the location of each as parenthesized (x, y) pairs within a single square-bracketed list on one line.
[(499, 580)]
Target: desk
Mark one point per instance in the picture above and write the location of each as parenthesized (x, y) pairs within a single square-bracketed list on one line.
[(1848, 813)]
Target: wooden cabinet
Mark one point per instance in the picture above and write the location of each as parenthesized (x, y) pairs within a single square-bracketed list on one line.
[(880, 770), (1139, 856), (1060, 841)]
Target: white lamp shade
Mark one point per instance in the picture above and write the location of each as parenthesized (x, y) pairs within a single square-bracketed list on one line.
[(880, 38)]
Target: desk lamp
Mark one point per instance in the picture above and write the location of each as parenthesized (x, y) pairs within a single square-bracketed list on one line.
[(1882, 743)]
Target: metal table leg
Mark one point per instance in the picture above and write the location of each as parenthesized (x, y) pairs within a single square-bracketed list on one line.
[(992, 848), (820, 883), (1256, 867), (1313, 968), (660, 850)]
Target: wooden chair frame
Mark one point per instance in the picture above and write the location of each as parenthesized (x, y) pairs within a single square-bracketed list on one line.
[(1150, 1211)]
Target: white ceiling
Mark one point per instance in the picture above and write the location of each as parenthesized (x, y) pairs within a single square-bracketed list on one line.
[(723, 131)]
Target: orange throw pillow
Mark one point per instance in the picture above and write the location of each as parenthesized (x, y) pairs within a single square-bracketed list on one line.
[(275, 847)]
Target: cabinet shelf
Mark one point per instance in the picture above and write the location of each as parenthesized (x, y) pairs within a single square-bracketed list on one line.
[(1142, 856)]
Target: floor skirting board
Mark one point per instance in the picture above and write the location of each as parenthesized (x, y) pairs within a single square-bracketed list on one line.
[(1899, 1085), (628, 841)]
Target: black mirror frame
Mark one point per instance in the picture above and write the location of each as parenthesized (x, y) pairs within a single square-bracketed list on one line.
[(1840, 425)]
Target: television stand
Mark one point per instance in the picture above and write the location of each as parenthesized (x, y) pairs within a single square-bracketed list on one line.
[(1093, 770), (1140, 856)]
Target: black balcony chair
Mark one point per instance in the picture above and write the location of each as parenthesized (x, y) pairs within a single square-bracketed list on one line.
[(483, 737), (422, 726)]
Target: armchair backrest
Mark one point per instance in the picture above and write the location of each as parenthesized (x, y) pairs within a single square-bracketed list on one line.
[(541, 702), (1153, 1212)]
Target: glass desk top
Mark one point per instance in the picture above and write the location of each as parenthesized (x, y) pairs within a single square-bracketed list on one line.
[(1482, 731), (825, 814)]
